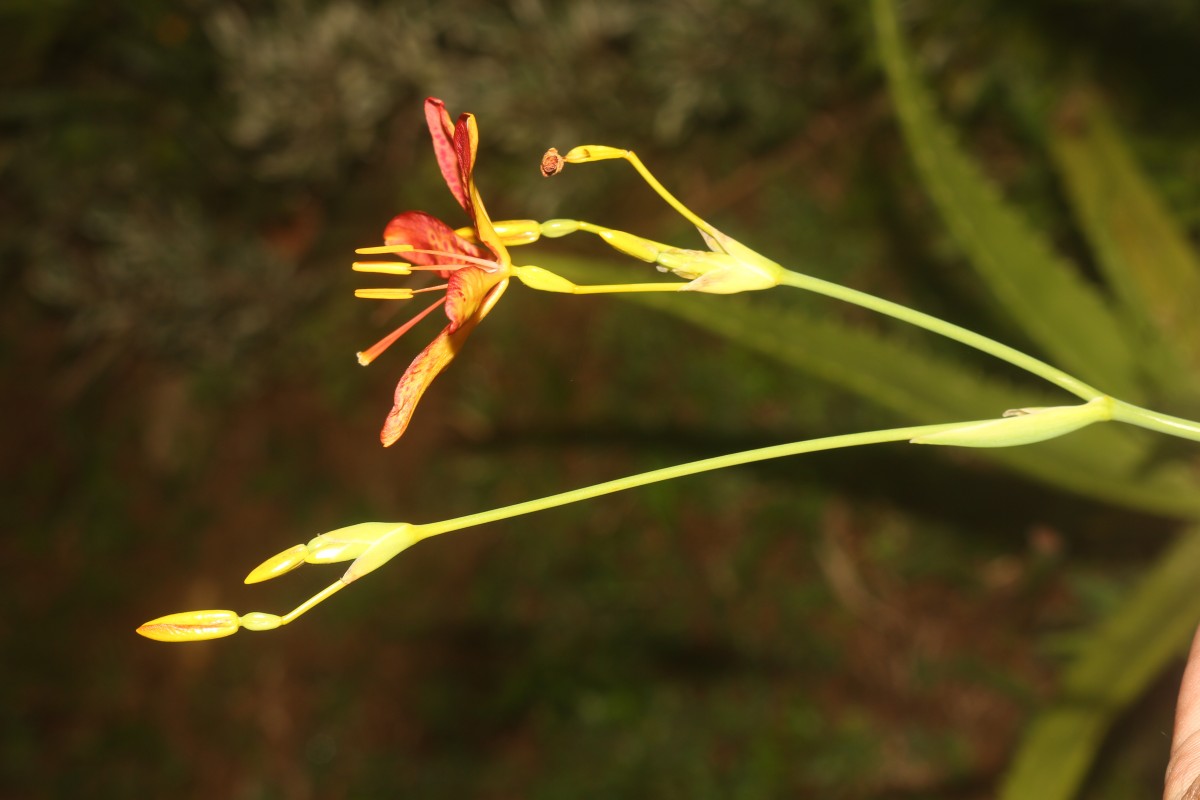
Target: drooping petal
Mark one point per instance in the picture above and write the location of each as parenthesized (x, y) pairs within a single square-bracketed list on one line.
[(427, 232), (433, 359), (441, 129), (428, 364)]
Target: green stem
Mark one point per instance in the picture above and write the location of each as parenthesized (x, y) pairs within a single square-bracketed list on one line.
[(1155, 421), (947, 329), (691, 468)]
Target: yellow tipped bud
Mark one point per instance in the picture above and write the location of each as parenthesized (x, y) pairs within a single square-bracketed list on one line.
[(258, 621), (543, 280), (346, 543), (191, 626), (515, 232), (1023, 426), (593, 152), (277, 565), (554, 228), (631, 245), (384, 294)]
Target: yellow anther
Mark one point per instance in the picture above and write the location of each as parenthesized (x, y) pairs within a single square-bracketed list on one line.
[(191, 626), (384, 248), (277, 565), (384, 294), (383, 267)]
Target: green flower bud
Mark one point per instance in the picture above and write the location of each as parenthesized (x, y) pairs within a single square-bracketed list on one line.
[(1023, 426)]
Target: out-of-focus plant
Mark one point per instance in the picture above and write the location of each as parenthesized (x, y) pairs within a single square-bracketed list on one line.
[(478, 265), (1132, 343)]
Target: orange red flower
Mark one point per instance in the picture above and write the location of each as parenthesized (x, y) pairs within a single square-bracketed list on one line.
[(476, 274)]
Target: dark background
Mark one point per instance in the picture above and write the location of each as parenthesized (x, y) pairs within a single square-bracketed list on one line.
[(181, 190)]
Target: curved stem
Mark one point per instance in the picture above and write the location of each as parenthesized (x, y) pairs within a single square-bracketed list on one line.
[(681, 470), (947, 329)]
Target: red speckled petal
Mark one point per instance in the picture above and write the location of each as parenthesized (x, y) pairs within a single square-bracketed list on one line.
[(417, 378), (427, 232), (466, 145), (431, 361), (442, 131)]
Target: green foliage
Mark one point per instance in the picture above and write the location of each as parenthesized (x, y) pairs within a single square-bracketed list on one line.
[(1066, 316), (1145, 256), (1119, 659)]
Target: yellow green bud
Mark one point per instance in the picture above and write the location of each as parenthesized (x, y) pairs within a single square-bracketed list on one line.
[(346, 543), (258, 621), (1023, 426), (543, 280), (554, 228), (277, 565), (385, 548), (514, 232), (631, 245)]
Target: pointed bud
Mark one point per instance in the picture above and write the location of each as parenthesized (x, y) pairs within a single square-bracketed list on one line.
[(1023, 426), (191, 626), (277, 565), (543, 280), (635, 246)]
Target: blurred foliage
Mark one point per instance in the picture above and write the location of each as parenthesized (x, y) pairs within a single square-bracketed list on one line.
[(180, 187)]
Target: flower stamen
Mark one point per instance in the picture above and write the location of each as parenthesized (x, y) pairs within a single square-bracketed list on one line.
[(372, 352), (383, 267), (396, 294), (490, 266)]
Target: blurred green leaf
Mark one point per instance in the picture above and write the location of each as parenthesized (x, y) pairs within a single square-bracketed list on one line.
[(1145, 256), (1128, 651), (1062, 313)]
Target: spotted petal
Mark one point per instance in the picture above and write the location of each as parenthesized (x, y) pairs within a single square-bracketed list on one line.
[(435, 358), (466, 145), (427, 232), (441, 129)]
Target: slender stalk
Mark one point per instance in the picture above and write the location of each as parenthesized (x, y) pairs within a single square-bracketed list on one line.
[(681, 470), (1155, 421), (943, 328)]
